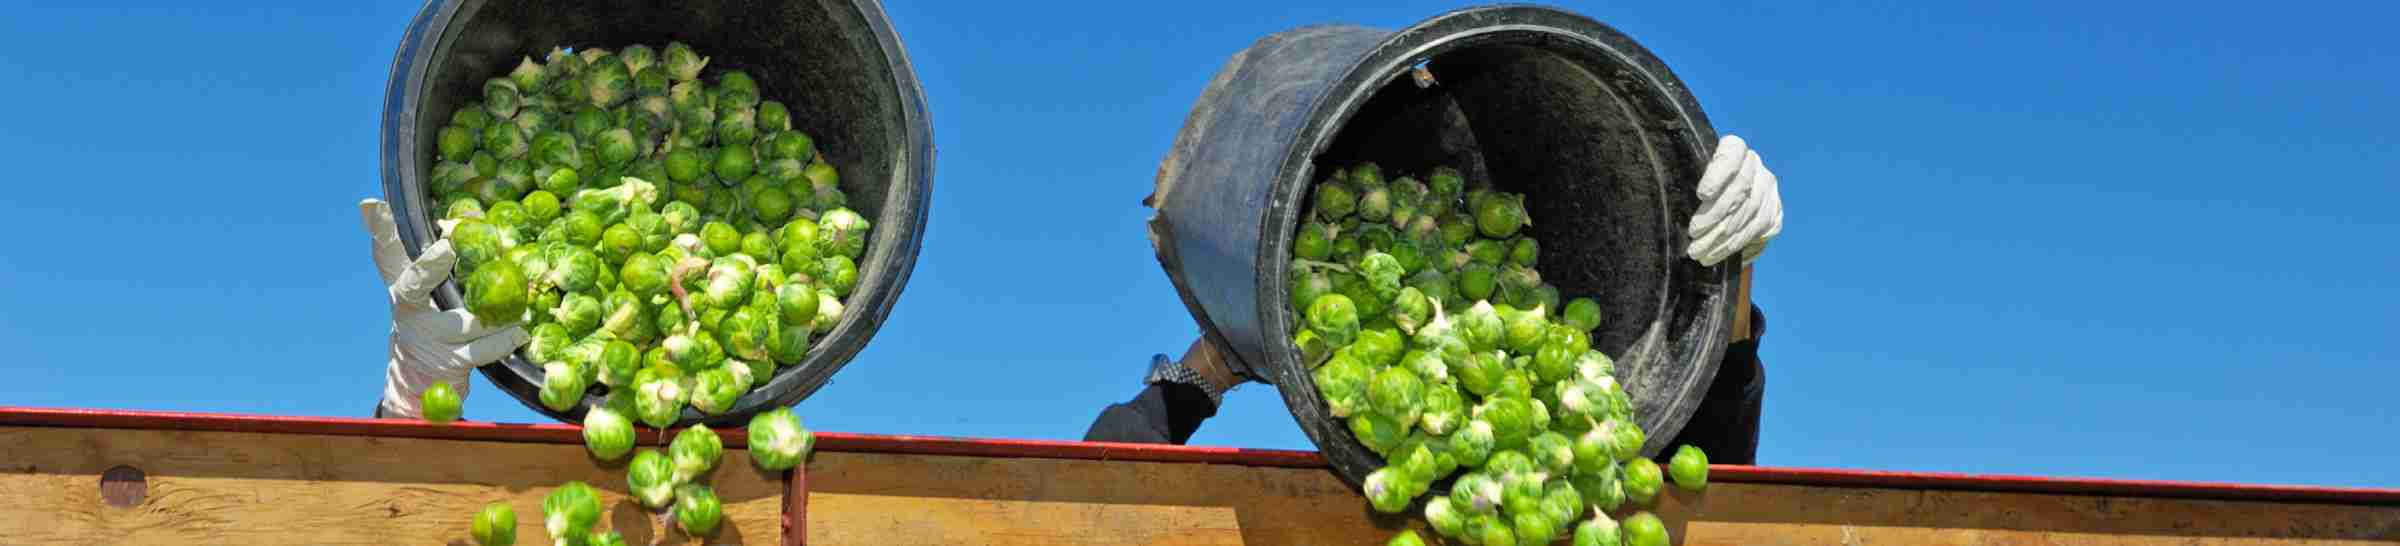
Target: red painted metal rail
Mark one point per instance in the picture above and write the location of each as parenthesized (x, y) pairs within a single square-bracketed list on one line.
[(979, 447)]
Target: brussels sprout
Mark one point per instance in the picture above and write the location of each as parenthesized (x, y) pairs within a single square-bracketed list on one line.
[(1561, 501), (681, 62), (496, 293), (695, 451), (439, 404), (1333, 201), (1524, 252), (1604, 490), (1397, 394), (1520, 490), (734, 164), (1315, 241), (1481, 373), (1446, 520), (1335, 317), (1553, 452), (1629, 439), (796, 303), (643, 275), (1343, 382), (737, 128), (729, 282), (1644, 529), (1427, 365), (547, 343), (456, 142), (829, 312), (560, 181), (651, 83), (619, 241), (495, 525), (611, 538), (1642, 480), (1411, 309), (1500, 215), (1307, 284), (793, 145), (1582, 314), (721, 238), (1378, 433), (791, 342), (842, 232), (606, 81), (562, 386), (697, 511), (607, 434), (651, 479), (569, 511), (659, 395), (500, 98), (1598, 531), (1522, 330), (1475, 493), (1511, 418), (579, 313), (1493, 529), (619, 362), (1374, 201), (1534, 527), (685, 166), (1555, 362), (1406, 537), (1416, 460), (1387, 490), (1444, 410), (1689, 467), (777, 440), (714, 390)]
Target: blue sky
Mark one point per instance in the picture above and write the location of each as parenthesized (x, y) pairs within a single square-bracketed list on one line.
[(2081, 239)]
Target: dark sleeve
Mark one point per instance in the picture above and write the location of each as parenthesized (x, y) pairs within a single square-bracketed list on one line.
[(1726, 426), (1164, 413)]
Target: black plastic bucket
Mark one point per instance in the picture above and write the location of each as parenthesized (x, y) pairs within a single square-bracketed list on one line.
[(836, 64), (1604, 140)]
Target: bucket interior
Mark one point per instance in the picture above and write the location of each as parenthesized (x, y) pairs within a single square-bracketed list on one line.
[(812, 56), (1606, 161), (823, 59)]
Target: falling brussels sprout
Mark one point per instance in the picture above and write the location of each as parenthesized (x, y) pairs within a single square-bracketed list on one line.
[(1689, 468), (569, 511), (695, 451), (1642, 480), (697, 511), (495, 525), (439, 403), (1644, 529), (607, 434), (778, 442), (651, 479), (659, 394)]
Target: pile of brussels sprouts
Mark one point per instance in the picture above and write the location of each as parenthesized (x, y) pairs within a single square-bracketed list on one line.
[(1430, 331), (666, 239)]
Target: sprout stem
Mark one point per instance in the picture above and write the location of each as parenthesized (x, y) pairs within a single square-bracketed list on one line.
[(682, 298)]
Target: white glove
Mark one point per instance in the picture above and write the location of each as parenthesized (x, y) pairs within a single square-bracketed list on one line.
[(1740, 207), (428, 345)]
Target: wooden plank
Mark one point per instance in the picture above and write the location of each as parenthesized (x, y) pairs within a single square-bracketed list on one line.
[(269, 488), (1780, 514), (859, 498)]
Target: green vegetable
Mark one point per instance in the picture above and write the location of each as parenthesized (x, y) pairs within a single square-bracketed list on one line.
[(495, 525), (1598, 531), (778, 442), (697, 511), (439, 403), (1446, 521), (651, 479), (1642, 480), (1689, 467), (695, 451), (1405, 538), (1388, 490), (569, 511), (607, 434), (1644, 529)]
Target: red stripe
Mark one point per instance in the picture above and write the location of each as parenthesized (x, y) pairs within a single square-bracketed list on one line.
[(976, 447)]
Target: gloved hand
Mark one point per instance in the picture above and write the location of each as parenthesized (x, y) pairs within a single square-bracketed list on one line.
[(1740, 207), (429, 345)]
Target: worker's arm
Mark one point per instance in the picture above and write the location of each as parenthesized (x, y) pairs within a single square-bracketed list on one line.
[(428, 345), (1741, 209), (1176, 396)]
